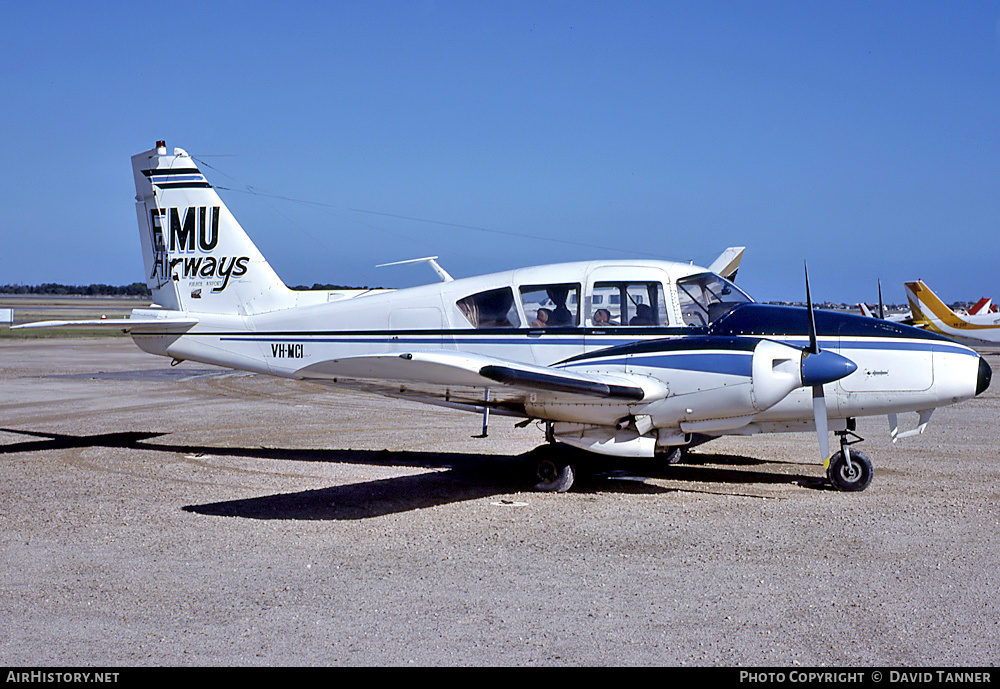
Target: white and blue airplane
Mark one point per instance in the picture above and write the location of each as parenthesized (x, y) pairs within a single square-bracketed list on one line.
[(621, 358)]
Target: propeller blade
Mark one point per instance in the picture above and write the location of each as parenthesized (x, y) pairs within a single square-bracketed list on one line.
[(822, 426), (881, 307), (813, 341), (819, 368)]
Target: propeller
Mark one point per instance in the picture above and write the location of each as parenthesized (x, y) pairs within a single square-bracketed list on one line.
[(818, 368)]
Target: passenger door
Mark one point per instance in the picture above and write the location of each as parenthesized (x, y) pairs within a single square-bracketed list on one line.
[(622, 303)]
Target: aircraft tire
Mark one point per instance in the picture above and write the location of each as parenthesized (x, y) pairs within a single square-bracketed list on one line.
[(674, 455), (555, 473), (855, 479)]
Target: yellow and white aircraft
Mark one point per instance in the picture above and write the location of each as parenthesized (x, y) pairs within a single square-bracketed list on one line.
[(931, 313), (622, 358)]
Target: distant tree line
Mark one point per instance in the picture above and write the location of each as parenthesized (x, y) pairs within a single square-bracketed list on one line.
[(136, 289), (327, 288)]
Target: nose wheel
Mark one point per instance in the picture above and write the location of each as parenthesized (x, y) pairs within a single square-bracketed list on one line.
[(849, 470)]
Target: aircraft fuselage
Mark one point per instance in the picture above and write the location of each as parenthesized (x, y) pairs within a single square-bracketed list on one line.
[(699, 365)]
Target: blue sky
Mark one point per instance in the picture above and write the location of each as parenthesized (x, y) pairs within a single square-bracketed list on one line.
[(861, 137)]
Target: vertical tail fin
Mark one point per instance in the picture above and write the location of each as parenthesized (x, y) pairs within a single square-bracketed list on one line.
[(984, 305), (728, 262), (915, 293), (197, 256), (937, 316)]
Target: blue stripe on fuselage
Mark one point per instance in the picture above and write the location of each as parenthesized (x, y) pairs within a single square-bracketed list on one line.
[(728, 363)]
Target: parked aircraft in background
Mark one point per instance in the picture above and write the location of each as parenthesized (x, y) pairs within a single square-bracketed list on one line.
[(894, 317), (903, 318), (633, 358), (728, 262), (936, 316), (982, 307)]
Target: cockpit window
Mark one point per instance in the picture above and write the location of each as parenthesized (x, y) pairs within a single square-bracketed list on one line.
[(628, 303), (551, 306), (706, 297), (491, 309)]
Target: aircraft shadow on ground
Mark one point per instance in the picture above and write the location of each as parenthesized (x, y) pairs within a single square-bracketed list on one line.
[(458, 476)]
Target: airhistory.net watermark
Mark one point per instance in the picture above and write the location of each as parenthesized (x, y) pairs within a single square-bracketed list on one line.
[(41, 676)]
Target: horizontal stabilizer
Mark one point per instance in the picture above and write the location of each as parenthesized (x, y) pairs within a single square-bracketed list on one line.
[(146, 324)]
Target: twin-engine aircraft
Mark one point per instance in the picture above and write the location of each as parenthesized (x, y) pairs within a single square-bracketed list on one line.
[(620, 358)]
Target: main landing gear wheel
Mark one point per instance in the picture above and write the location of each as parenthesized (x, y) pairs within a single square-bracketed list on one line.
[(554, 470), (674, 455), (855, 477)]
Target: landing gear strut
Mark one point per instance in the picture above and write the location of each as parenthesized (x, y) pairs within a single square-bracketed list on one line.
[(849, 470)]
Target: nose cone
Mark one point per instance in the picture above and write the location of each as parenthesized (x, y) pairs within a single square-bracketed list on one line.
[(825, 367), (985, 376)]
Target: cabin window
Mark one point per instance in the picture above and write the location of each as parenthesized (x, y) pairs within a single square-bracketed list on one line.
[(628, 303), (551, 306), (707, 297), (491, 309)]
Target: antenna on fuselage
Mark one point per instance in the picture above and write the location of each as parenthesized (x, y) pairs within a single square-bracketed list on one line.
[(432, 260)]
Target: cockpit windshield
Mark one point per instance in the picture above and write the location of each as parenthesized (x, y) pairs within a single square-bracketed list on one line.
[(707, 297)]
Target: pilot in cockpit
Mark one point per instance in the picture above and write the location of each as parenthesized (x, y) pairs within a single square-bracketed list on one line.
[(643, 315)]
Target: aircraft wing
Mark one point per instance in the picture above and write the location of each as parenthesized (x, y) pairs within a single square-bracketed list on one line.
[(461, 379)]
